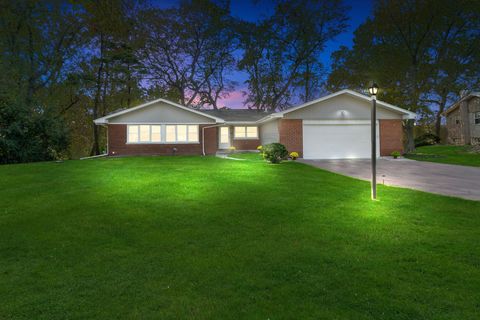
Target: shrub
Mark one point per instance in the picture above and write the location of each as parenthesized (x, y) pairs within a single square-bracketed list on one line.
[(294, 155), (232, 149), (259, 148), (426, 139), (274, 152), (395, 154)]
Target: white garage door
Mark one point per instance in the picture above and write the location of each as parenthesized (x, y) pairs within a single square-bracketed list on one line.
[(337, 139)]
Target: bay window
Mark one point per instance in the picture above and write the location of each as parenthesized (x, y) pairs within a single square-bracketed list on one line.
[(245, 132)]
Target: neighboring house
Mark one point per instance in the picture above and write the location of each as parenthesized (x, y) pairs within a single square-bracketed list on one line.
[(463, 120), (336, 126)]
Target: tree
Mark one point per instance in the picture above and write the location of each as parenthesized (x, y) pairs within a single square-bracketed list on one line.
[(37, 42), (413, 49), (188, 50), (110, 72), (281, 53)]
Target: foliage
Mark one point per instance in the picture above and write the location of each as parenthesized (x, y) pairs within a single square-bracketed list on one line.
[(189, 49), (294, 155), (419, 52), (426, 139), (274, 152), (27, 135), (396, 154), (281, 52)]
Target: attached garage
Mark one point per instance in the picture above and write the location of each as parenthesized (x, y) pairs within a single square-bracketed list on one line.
[(337, 139), (337, 126)]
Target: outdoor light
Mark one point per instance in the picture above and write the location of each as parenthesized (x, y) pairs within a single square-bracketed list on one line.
[(373, 89), (373, 92)]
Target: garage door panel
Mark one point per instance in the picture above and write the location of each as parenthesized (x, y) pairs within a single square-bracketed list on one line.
[(337, 141)]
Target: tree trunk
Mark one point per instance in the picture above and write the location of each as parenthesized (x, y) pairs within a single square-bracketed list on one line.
[(410, 143), (96, 146), (438, 116)]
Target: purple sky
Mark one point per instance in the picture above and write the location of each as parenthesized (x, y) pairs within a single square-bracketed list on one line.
[(248, 10)]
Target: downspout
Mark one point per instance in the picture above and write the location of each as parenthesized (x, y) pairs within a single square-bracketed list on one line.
[(203, 135)]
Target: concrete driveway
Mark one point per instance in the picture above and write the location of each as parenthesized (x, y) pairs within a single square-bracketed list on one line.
[(450, 180)]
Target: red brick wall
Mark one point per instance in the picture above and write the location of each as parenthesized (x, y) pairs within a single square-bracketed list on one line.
[(291, 134), (391, 136), (117, 138), (247, 144)]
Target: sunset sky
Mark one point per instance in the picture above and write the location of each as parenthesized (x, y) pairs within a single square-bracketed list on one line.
[(255, 10)]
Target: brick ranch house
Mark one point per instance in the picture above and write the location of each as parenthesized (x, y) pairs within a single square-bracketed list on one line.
[(336, 126), (463, 120)]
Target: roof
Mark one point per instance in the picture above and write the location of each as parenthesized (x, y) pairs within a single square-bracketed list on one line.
[(252, 115), (238, 115), (406, 114), (457, 104), (104, 119)]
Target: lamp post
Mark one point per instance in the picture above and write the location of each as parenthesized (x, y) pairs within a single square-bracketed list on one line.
[(373, 92)]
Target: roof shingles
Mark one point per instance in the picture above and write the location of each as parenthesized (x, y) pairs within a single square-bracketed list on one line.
[(237, 115)]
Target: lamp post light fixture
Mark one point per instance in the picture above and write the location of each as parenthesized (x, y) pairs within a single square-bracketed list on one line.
[(373, 92)]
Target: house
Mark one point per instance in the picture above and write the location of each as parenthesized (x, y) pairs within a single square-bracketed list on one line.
[(336, 126), (463, 120)]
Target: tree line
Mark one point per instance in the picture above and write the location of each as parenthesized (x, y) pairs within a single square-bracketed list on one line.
[(65, 63)]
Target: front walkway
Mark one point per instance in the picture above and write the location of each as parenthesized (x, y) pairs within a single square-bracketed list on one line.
[(445, 179)]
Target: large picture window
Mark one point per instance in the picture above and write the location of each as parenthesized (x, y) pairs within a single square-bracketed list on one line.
[(247, 132), (157, 133)]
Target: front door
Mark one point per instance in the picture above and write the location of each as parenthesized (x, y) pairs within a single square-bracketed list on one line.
[(224, 138)]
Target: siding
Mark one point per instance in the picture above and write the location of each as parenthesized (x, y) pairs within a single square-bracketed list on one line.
[(269, 132), (160, 113), (343, 107)]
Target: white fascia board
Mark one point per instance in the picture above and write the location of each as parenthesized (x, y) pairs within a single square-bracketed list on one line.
[(104, 119)]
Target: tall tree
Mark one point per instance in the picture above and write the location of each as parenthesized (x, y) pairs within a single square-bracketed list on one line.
[(188, 50), (111, 71), (281, 52), (38, 42), (413, 49)]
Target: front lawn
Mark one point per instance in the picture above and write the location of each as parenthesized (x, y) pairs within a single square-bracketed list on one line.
[(461, 155), (210, 238)]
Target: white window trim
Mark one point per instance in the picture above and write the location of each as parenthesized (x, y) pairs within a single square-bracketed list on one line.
[(163, 133), (245, 138)]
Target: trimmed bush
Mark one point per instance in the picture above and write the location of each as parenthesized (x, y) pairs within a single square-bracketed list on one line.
[(275, 152), (426, 139)]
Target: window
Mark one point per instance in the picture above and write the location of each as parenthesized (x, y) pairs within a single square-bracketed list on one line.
[(193, 133), (132, 134), (246, 132), (171, 133), (477, 117), (182, 133), (144, 133), (155, 133)]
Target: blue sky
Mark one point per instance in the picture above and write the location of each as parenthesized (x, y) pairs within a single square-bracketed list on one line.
[(249, 10)]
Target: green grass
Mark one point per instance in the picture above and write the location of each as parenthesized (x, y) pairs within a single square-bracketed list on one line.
[(252, 156), (210, 238), (460, 155)]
